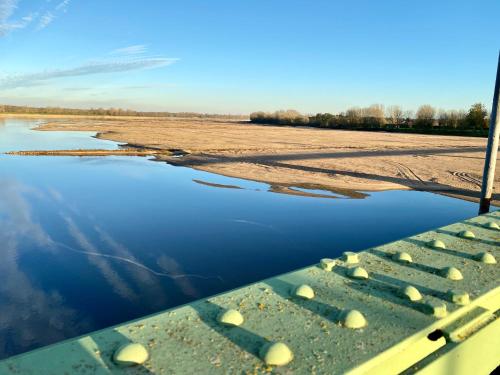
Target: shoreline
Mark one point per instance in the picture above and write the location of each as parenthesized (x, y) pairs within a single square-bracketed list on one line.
[(86, 152), (284, 157)]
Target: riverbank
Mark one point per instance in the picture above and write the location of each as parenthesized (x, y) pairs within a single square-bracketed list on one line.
[(119, 152), (334, 159)]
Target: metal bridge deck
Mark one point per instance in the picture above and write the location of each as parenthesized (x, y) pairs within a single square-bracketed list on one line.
[(453, 328)]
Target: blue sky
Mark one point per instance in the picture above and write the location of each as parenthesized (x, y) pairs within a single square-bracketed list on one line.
[(240, 56)]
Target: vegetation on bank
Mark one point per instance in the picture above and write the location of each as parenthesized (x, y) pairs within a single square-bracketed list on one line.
[(13, 109), (426, 120)]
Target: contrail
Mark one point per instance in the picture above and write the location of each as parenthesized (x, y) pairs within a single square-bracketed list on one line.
[(257, 224), (137, 264)]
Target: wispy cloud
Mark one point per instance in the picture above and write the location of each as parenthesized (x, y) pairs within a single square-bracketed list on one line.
[(7, 9), (120, 87), (118, 284), (46, 20), (16, 25), (45, 314), (50, 15), (137, 49), (62, 6), (34, 79), (77, 88)]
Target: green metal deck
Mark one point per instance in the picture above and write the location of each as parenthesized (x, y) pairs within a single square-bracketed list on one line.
[(454, 328)]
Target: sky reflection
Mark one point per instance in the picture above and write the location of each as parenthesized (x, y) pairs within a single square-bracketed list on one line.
[(91, 242)]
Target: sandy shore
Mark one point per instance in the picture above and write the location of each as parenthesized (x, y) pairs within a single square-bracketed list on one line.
[(304, 157), (97, 152)]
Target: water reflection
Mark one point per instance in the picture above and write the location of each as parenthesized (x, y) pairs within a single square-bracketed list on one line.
[(90, 242), (16, 135), (30, 315)]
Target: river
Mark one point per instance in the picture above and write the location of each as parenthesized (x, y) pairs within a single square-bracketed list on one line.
[(89, 242)]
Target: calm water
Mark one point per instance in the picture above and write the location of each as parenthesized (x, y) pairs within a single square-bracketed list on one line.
[(88, 242)]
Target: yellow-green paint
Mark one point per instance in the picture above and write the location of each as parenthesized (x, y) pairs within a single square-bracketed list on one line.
[(327, 264), (276, 354), (412, 293), (402, 256), (231, 317), (477, 355), (304, 291), (453, 329), (130, 355)]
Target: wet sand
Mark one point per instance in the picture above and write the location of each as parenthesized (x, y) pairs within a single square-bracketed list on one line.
[(86, 152), (287, 157)]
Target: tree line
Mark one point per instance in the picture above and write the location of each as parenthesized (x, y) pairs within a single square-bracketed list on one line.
[(104, 112), (427, 119)]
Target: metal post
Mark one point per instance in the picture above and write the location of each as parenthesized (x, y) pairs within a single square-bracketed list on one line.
[(492, 149)]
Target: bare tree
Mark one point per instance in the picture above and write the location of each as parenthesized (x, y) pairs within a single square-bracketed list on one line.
[(395, 114), (408, 114), (353, 115), (425, 115), (288, 117), (374, 115), (291, 116), (426, 112), (375, 110), (443, 118)]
